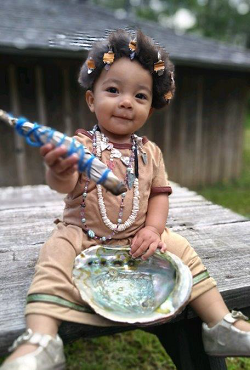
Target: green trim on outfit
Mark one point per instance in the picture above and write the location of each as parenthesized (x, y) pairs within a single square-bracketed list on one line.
[(200, 277), (48, 298)]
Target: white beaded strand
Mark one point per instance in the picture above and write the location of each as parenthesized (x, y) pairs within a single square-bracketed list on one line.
[(100, 143), (135, 208)]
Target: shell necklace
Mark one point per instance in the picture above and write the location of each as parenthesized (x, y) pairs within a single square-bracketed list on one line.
[(100, 143)]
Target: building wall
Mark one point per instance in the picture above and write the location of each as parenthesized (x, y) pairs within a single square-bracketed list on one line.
[(200, 133)]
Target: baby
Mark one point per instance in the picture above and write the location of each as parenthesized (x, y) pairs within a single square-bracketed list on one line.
[(125, 78)]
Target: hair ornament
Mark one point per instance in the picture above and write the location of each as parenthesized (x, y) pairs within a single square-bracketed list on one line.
[(168, 96), (172, 78), (132, 47), (159, 66), (90, 65), (108, 58)]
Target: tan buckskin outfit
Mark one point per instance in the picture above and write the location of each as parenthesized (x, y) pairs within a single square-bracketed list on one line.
[(52, 291)]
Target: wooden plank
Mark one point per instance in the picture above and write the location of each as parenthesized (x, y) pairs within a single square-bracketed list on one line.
[(210, 114), (53, 90), (173, 167), (239, 144), (220, 237), (7, 143), (215, 247), (19, 141), (214, 127), (41, 101), (184, 155), (29, 104), (80, 113), (231, 116), (68, 125), (198, 132)]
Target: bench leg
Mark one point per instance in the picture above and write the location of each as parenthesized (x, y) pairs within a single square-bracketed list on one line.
[(182, 341)]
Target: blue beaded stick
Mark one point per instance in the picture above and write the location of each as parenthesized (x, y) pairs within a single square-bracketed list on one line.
[(37, 135)]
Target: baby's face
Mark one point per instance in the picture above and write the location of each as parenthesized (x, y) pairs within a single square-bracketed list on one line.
[(121, 99)]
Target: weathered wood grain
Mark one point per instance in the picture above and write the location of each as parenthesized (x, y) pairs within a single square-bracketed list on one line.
[(220, 236), (200, 133)]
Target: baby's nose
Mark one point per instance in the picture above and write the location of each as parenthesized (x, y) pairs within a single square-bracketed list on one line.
[(125, 102)]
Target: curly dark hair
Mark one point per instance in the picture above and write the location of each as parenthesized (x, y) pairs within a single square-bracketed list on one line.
[(146, 53)]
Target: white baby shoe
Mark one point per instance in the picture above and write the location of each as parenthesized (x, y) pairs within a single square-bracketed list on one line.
[(48, 356), (226, 340)]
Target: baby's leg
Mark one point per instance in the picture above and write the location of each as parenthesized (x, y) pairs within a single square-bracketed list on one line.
[(38, 324), (52, 278), (211, 308)]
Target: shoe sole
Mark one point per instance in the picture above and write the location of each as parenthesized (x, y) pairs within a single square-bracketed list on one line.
[(226, 355), (60, 367)]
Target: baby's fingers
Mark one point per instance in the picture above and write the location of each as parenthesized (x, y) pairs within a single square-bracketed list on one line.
[(45, 149), (141, 249), (54, 155), (163, 247), (152, 248), (67, 165), (135, 244)]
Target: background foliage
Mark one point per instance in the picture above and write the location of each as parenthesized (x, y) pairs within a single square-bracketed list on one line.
[(225, 20)]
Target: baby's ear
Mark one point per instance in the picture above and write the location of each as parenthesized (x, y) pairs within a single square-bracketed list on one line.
[(90, 100)]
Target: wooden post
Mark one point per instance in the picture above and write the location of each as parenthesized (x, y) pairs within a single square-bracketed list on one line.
[(198, 133), (183, 155), (167, 137), (242, 110), (67, 103), (19, 141), (41, 104)]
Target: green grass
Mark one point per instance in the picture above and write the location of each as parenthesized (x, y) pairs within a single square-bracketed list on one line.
[(135, 350), (138, 350)]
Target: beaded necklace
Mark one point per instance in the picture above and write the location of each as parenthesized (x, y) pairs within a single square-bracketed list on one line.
[(100, 143)]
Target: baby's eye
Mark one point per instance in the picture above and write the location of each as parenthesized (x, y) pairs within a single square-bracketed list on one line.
[(141, 96), (112, 90)]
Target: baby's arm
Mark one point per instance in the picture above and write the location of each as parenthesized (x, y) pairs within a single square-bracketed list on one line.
[(148, 239), (61, 173)]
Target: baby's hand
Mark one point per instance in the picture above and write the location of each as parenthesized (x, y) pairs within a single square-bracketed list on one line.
[(59, 166), (145, 243)]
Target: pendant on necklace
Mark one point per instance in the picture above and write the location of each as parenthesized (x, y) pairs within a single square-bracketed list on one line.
[(144, 157), (130, 179), (125, 160), (104, 146), (111, 165), (116, 153), (110, 146)]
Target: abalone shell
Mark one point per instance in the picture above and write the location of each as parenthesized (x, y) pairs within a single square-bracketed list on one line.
[(133, 291)]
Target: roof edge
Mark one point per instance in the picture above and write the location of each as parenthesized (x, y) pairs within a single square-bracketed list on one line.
[(72, 54)]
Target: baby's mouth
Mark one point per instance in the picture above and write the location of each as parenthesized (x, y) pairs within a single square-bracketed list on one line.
[(124, 118)]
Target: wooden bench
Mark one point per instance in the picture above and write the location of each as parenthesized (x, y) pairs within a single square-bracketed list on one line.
[(220, 236)]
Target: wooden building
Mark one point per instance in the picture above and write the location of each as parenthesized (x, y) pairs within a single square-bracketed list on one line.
[(44, 43)]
